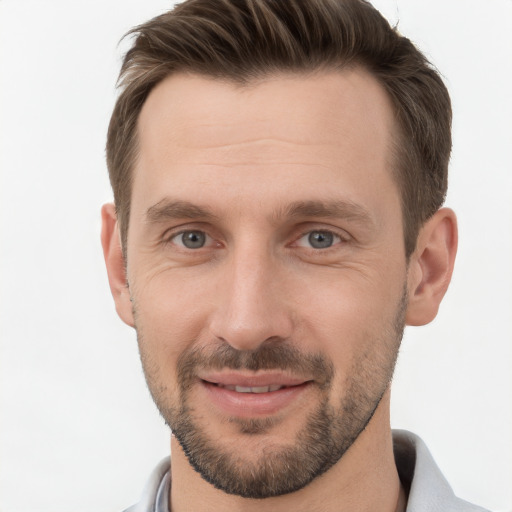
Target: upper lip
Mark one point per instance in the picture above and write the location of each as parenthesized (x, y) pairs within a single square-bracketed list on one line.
[(254, 380)]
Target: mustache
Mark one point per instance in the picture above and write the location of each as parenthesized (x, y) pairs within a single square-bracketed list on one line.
[(270, 355)]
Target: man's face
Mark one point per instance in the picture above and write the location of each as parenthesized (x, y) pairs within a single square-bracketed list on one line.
[(267, 270)]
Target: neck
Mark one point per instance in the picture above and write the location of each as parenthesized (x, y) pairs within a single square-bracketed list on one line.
[(365, 479)]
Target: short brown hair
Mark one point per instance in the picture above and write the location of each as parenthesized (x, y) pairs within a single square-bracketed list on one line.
[(241, 40)]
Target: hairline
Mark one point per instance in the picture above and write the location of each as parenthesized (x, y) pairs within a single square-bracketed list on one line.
[(396, 149)]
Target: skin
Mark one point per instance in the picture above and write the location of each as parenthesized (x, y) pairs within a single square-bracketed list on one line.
[(245, 156)]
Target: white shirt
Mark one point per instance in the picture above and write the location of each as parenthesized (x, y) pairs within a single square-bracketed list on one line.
[(428, 489)]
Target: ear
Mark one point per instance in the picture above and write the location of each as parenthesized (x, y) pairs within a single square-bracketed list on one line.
[(114, 260), (431, 266)]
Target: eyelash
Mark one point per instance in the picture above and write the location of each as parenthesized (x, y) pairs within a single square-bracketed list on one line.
[(339, 238), (169, 237), (334, 234)]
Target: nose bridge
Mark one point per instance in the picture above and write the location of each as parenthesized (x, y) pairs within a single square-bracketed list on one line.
[(252, 307)]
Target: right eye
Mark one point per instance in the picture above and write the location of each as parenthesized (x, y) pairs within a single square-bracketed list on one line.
[(319, 239), (192, 239)]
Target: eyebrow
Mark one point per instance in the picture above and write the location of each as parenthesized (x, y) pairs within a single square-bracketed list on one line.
[(340, 209), (168, 209)]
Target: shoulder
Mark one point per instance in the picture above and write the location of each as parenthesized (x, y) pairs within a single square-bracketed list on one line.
[(429, 490), (149, 495)]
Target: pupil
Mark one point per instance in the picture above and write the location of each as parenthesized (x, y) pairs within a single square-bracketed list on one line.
[(320, 239), (193, 239)]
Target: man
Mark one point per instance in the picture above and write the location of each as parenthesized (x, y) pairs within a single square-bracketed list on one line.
[(279, 170)]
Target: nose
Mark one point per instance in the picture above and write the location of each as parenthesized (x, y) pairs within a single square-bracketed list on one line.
[(251, 305)]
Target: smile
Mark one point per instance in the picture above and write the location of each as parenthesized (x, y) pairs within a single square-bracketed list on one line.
[(242, 396), (253, 389)]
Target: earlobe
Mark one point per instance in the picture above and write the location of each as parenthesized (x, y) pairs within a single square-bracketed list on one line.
[(431, 266), (114, 261)]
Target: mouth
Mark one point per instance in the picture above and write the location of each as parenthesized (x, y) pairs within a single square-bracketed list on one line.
[(250, 389), (253, 396)]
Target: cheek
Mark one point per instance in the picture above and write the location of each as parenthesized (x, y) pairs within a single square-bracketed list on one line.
[(351, 317), (174, 302)]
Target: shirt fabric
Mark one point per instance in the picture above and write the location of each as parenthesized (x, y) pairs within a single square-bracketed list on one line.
[(428, 489)]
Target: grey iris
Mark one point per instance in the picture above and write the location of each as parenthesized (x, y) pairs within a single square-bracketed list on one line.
[(193, 239), (320, 239)]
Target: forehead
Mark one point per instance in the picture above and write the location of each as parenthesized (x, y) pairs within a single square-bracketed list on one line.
[(305, 133), (326, 108)]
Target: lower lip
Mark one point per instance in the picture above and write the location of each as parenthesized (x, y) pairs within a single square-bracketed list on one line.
[(248, 405)]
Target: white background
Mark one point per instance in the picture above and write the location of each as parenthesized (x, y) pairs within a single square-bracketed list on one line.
[(78, 429)]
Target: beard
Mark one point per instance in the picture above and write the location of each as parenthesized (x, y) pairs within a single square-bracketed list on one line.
[(329, 430)]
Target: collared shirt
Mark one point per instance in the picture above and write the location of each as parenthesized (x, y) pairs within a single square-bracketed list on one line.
[(427, 488)]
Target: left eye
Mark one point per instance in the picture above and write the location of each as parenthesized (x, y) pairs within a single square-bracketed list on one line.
[(319, 239), (193, 239)]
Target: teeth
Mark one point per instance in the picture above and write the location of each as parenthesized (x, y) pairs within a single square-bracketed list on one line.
[(241, 389), (254, 389)]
